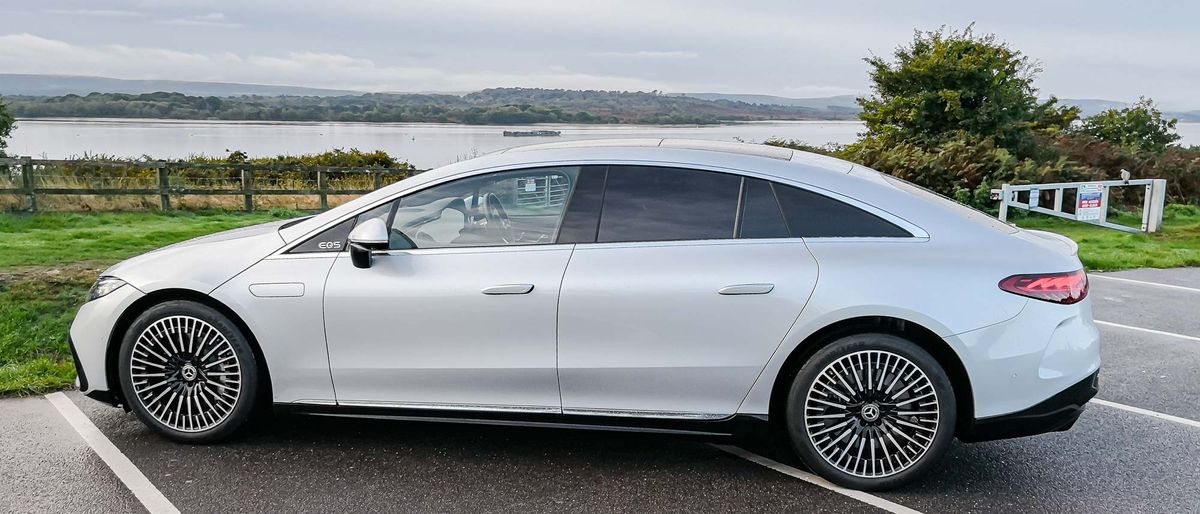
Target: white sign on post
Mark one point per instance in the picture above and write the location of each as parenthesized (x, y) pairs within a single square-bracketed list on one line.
[(1089, 198)]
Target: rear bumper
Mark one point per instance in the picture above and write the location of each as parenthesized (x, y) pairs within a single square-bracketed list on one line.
[(1055, 414)]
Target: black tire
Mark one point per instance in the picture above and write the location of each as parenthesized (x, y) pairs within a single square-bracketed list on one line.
[(183, 332), (872, 423)]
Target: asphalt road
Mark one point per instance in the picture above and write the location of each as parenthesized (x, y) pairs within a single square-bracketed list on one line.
[(1113, 460)]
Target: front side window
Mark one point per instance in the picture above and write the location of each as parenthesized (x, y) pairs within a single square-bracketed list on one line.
[(522, 207), (645, 203)]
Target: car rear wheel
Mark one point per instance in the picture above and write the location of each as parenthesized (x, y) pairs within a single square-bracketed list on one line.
[(188, 372), (871, 412)]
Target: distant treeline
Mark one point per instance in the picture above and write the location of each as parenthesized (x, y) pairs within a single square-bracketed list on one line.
[(488, 107)]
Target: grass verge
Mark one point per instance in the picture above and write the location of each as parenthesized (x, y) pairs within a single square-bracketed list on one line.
[(1102, 249), (48, 262)]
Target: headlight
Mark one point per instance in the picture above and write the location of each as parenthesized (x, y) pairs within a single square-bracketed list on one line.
[(103, 286)]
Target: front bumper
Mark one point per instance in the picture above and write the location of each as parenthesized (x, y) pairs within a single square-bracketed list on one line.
[(1055, 414), (90, 334), (82, 382)]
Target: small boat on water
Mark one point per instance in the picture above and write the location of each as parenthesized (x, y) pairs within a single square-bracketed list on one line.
[(532, 133)]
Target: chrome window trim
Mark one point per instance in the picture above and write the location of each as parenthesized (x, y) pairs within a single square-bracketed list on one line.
[(916, 231)]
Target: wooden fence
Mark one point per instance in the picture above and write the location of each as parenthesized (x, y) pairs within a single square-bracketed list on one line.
[(32, 178)]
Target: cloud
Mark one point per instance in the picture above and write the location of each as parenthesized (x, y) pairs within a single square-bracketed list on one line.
[(102, 13), (209, 20), (29, 53), (649, 54), (214, 19)]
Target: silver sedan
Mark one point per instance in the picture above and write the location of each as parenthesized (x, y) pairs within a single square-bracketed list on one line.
[(660, 285)]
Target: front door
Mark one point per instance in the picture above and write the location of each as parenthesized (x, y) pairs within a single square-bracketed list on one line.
[(467, 318)]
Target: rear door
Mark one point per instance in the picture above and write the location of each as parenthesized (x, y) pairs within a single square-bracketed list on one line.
[(691, 283)]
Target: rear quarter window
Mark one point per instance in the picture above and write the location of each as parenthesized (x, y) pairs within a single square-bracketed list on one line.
[(809, 214)]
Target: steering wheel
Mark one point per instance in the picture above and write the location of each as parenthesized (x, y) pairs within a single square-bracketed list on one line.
[(498, 224)]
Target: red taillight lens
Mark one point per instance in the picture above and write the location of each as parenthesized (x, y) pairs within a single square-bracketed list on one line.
[(1065, 288)]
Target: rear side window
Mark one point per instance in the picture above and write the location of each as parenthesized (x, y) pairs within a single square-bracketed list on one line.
[(644, 203), (809, 214), (761, 217)]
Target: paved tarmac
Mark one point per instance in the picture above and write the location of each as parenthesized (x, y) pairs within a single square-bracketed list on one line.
[(1113, 460)]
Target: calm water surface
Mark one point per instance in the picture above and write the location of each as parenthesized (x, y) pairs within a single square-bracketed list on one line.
[(425, 145)]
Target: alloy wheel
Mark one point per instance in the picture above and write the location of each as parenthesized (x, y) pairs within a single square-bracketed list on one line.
[(871, 414), (185, 373)]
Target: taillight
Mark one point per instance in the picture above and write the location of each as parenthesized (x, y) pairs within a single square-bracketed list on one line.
[(1065, 288)]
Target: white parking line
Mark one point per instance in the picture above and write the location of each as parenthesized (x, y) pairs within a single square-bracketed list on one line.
[(1144, 283), (1153, 414), (130, 475), (1147, 330), (866, 498)]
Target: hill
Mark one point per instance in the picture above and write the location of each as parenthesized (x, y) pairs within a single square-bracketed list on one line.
[(16, 84), (607, 105), (840, 102), (490, 106)]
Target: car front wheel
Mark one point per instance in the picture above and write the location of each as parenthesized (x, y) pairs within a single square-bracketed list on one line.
[(871, 412), (188, 372)]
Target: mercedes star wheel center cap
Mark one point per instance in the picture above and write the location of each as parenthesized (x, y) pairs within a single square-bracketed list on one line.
[(870, 412)]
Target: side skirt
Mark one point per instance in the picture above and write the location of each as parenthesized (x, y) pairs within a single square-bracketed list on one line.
[(739, 426)]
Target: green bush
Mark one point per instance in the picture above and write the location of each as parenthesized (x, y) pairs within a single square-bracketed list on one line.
[(958, 113), (7, 123), (1139, 128)]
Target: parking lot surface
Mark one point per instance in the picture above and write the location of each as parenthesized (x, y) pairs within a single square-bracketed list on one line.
[(1114, 459)]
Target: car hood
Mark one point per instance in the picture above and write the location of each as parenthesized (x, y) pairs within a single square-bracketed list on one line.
[(203, 263)]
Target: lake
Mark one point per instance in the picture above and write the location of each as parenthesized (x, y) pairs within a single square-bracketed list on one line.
[(425, 145)]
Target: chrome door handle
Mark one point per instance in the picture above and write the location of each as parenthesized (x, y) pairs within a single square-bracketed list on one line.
[(746, 289), (509, 289)]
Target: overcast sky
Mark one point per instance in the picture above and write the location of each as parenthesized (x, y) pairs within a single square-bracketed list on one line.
[(1096, 49)]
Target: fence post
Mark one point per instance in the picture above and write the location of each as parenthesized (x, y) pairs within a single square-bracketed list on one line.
[(377, 177), (1104, 192), (248, 189), (1156, 199), (1004, 193), (322, 189), (29, 183), (164, 191)]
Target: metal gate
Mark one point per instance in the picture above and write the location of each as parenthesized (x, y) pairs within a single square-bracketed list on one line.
[(1091, 202)]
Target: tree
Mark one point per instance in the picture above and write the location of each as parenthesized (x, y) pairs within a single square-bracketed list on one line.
[(950, 84), (7, 123), (1138, 128)]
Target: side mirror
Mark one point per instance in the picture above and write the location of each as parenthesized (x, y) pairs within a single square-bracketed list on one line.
[(372, 235)]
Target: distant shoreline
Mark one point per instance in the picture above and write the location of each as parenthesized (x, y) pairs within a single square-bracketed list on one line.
[(182, 121)]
